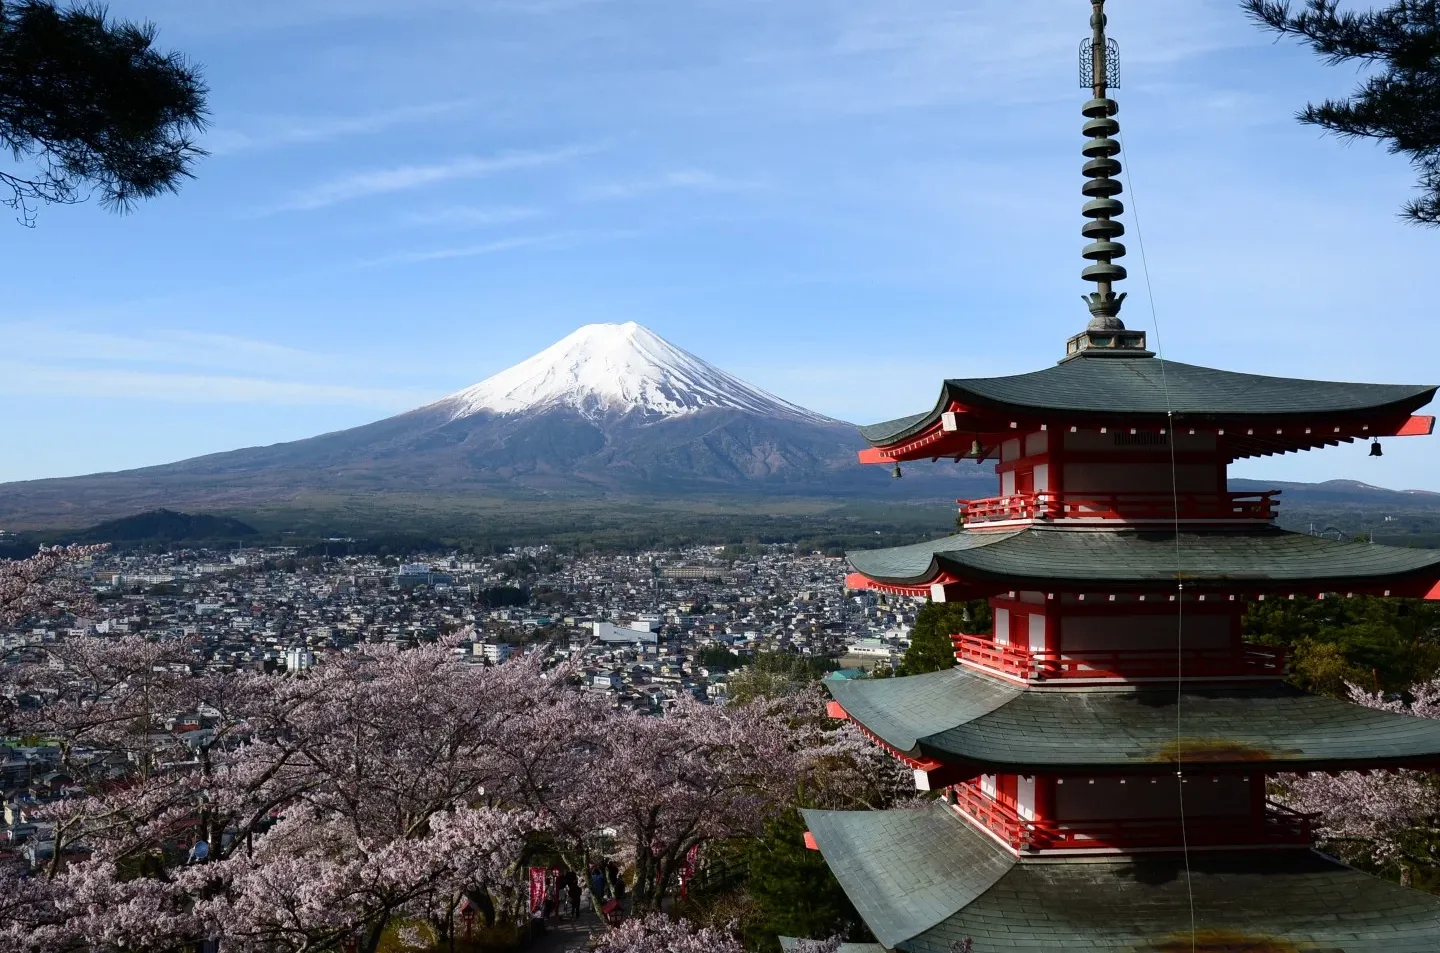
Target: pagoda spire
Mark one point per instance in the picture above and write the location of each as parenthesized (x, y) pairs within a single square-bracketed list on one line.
[(1100, 71)]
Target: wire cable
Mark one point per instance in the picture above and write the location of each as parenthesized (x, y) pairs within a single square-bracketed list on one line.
[(1179, 551)]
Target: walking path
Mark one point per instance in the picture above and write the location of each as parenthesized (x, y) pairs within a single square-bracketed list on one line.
[(568, 934)]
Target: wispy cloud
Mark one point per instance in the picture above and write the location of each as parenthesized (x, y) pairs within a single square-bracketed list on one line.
[(32, 379), (693, 180), (407, 178), (276, 132), (566, 239), (42, 343), (469, 216)]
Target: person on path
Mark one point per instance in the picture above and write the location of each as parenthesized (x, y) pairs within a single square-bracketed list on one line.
[(550, 905), (597, 883), (617, 880), (572, 889)]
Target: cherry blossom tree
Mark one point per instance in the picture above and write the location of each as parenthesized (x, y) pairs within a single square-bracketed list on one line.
[(375, 766), (313, 881), (657, 933), (377, 789), (41, 583), (848, 771), (1385, 817), (646, 790), (702, 773)]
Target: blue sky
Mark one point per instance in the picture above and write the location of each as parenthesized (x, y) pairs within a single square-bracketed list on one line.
[(843, 202)]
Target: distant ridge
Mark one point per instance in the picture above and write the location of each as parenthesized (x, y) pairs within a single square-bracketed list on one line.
[(1340, 491)]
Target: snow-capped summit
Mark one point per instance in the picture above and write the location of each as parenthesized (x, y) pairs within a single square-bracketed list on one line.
[(605, 369)]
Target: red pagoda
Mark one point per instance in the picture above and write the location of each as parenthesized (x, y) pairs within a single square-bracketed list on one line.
[(1102, 755)]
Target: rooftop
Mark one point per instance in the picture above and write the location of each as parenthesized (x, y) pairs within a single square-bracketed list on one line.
[(923, 879), (1116, 388), (1262, 558), (963, 716)]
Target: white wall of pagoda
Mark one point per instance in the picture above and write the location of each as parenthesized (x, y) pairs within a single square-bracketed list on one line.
[(1069, 624), (1110, 461), (1157, 798), (1119, 633), (1108, 813), (1023, 621)]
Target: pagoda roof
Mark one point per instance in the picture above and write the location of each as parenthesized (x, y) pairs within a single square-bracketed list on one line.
[(962, 716), (923, 879), (1049, 558), (1130, 388)]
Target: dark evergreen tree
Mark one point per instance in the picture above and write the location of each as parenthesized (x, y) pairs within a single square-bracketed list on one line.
[(793, 891), (90, 104), (717, 656), (1399, 102), (1379, 644), (930, 647)]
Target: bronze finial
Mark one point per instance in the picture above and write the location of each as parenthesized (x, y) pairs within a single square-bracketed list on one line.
[(1100, 70)]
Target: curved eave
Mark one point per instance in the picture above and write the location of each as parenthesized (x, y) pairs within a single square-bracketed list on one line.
[(906, 871), (856, 580), (1135, 392), (961, 718), (1050, 559), (924, 881), (1239, 439)]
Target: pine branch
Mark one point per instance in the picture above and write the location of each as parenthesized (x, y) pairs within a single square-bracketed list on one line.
[(1399, 105)]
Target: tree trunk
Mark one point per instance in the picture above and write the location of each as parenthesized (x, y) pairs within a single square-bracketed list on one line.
[(374, 935)]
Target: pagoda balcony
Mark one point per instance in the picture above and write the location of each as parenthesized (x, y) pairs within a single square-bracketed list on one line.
[(1278, 826), (1026, 665), (1122, 507)]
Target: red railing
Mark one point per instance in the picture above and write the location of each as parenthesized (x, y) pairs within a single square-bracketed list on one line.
[(1134, 507), (1279, 825), (1018, 663), (1248, 661)]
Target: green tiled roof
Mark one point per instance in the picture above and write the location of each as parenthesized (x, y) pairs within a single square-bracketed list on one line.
[(924, 879), (964, 716), (1135, 387), (1052, 557), (902, 711), (906, 871)]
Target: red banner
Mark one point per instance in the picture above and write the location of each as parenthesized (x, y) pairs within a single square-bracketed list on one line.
[(537, 889), (687, 869)]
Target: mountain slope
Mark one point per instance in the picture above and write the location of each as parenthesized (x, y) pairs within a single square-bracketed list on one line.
[(611, 410)]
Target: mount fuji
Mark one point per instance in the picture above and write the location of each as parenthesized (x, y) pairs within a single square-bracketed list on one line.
[(610, 411), (618, 369)]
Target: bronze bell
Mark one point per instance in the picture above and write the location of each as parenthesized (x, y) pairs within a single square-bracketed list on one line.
[(1375, 450), (976, 450), (896, 472)]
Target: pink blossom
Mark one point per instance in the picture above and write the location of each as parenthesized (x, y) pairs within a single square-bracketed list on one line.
[(657, 933), (1367, 813), (377, 789), (40, 583)]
